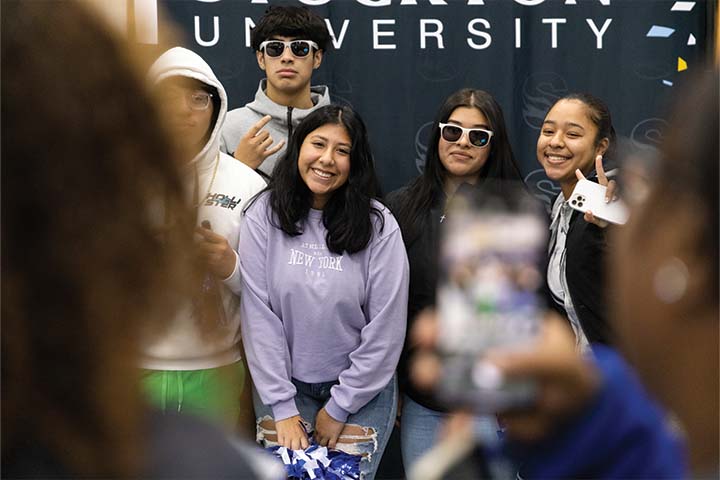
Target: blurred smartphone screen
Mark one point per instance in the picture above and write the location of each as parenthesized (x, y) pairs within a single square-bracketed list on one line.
[(492, 257)]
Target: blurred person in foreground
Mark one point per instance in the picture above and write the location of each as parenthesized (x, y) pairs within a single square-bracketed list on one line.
[(88, 267), (593, 416)]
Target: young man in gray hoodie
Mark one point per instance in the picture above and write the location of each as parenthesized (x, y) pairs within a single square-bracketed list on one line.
[(289, 43)]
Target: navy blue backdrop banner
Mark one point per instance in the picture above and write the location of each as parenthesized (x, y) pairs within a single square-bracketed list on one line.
[(396, 60)]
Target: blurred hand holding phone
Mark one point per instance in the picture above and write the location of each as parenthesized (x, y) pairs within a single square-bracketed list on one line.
[(491, 273)]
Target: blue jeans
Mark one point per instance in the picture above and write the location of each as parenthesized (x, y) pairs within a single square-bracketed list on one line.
[(375, 420), (419, 428)]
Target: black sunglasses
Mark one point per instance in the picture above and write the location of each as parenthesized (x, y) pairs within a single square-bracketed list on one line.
[(479, 137), (299, 48)]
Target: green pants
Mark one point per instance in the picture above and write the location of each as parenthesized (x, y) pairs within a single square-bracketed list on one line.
[(213, 393)]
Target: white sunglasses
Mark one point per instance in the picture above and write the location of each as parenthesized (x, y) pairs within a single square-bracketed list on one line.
[(299, 48), (478, 137)]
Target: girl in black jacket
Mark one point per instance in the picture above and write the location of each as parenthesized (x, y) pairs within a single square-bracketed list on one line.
[(576, 135), (468, 150)]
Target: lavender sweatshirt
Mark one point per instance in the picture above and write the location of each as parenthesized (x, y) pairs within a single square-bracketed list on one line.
[(316, 316)]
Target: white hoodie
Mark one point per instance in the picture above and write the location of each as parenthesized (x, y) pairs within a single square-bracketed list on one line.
[(224, 185)]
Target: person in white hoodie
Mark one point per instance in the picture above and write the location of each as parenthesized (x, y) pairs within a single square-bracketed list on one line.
[(289, 44), (197, 366)]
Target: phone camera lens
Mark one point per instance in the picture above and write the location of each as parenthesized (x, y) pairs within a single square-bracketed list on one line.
[(580, 204)]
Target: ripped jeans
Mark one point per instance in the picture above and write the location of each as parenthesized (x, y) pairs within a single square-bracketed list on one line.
[(366, 432)]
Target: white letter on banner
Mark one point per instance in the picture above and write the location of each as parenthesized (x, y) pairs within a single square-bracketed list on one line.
[(599, 34), (375, 3), (377, 34), (485, 35), (260, 1), (314, 2), (518, 33), (476, 2), (414, 2), (216, 32), (337, 41), (554, 22), (574, 2), (529, 3), (437, 33), (249, 25)]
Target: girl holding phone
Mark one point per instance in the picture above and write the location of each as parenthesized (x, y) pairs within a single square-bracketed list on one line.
[(576, 137)]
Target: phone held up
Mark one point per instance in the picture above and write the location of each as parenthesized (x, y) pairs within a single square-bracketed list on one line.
[(589, 195), (492, 251)]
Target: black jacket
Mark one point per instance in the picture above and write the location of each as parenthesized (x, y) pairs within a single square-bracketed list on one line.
[(586, 254), (423, 249), (422, 252)]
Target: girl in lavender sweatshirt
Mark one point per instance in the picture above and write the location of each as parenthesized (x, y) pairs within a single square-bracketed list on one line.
[(325, 285)]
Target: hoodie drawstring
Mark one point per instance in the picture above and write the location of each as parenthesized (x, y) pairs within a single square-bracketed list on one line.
[(289, 124), (180, 391)]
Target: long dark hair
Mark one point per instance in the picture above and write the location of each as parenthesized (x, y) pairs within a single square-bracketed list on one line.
[(347, 214), (426, 191), (85, 225)]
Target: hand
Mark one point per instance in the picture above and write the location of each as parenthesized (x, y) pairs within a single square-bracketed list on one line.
[(457, 425), (327, 429), (425, 367), (566, 381), (611, 186), (291, 433), (254, 146), (215, 251)]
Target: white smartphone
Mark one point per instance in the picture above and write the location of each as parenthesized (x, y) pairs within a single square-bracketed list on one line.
[(590, 196)]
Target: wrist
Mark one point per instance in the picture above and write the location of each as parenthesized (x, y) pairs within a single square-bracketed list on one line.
[(228, 279), (284, 409), (289, 421), (336, 412), (248, 159), (227, 266), (589, 381)]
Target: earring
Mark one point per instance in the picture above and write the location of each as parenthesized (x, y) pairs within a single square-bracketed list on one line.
[(671, 280)]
